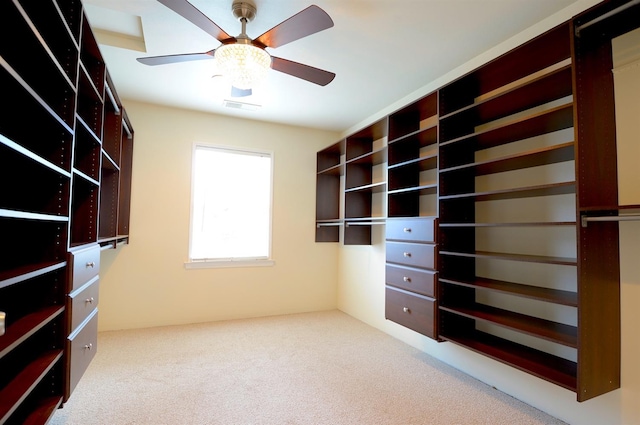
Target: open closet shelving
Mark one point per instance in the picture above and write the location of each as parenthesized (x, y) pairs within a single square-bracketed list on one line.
[(502, 206), (51, 143)]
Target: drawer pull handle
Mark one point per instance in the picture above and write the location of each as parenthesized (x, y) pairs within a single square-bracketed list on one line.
[(406, 310), (90, 300), (407, 230), (406, 279), (406, 254), (89, 346), (91, 264)]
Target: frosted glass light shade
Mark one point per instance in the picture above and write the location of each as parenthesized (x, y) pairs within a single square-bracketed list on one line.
[(244, 64)]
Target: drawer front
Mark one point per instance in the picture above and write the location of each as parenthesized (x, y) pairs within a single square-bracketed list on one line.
[(412, 229), (412, 254), (82, 303), (414, 280), (412, 311), (81, 349), (85, 264)]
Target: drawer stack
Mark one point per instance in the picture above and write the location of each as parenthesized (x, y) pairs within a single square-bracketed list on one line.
[(411, 274), (82, 304)]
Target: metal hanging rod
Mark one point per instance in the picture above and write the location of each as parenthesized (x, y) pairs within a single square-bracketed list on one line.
[(318, 225), (366, 223), (606, 15), (631, 217)]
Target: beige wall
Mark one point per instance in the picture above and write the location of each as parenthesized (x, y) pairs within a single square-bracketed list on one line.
[(361, 272), (145, 283)]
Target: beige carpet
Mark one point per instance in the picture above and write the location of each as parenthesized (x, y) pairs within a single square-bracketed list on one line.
[(312, 368)]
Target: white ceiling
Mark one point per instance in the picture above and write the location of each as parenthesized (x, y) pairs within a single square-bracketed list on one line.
[(381, 51)]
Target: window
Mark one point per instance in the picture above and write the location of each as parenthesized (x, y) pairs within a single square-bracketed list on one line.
[(230, 207)]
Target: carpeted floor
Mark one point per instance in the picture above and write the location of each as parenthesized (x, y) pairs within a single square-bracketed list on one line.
[(306, 369)]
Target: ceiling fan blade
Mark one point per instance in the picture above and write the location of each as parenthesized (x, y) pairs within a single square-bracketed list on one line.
[(190, 13), (305, 72), (185, 57), (309, 21), (236, 92)]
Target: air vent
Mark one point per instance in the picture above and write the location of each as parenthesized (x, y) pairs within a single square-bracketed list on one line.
[(234, 104)]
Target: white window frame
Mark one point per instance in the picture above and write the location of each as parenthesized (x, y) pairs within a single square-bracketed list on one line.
[(230, 262)]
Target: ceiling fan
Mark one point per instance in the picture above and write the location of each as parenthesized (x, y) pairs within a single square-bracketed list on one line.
[(244, 60)]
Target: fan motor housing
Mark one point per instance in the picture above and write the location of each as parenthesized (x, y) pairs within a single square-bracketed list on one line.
[(244, 10)]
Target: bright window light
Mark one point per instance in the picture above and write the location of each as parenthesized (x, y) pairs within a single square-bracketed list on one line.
[(230, 205)]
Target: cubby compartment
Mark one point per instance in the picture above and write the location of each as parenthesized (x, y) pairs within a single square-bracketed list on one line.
[(91, 58), (109, 183), (36, 245), (538, 54), (51, 26), (56, 89), (71, 11), (51, 139), (90, 106), (41, 189), (87, 151), (84, 211)]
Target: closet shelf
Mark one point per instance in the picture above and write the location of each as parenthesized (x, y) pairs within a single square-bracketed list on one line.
[(13, 276), (555, 369), (43, 411), (423, 163), (372, 188), (517, 289), (522, 192), (558, 333), (554, 119), (564, 261), (543, 156), (529, 94), (20, 330), (428, 189), (21, 386), (423, 137)]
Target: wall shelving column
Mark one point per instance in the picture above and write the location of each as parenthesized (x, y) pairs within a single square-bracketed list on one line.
[(51, 143)]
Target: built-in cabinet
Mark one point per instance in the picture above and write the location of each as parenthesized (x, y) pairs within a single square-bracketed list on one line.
[(65, 168), (492, 185)]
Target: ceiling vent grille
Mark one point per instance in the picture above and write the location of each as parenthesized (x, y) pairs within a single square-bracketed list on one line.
[(234, 104)]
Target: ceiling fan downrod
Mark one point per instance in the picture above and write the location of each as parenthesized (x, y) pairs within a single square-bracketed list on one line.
[(244, 12)]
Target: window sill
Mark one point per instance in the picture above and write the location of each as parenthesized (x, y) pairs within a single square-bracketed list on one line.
[(220, 264)]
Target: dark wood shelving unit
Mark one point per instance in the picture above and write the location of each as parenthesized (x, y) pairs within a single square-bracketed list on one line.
[(50, 170), (330, 167), (523, 144), (364, 151)]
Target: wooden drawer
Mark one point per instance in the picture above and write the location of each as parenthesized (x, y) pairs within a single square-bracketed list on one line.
[(412, 254), (414, 280), (84, 264), (81, 348), (82, 302), (413, 311), (411, 229)]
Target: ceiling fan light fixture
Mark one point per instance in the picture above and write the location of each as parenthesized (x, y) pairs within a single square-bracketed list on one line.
[(245, 65)]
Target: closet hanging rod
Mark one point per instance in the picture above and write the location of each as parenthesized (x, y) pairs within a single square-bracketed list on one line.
[(606, 15), (366, 223), (113, 99), (318, 225), (631, 217)]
